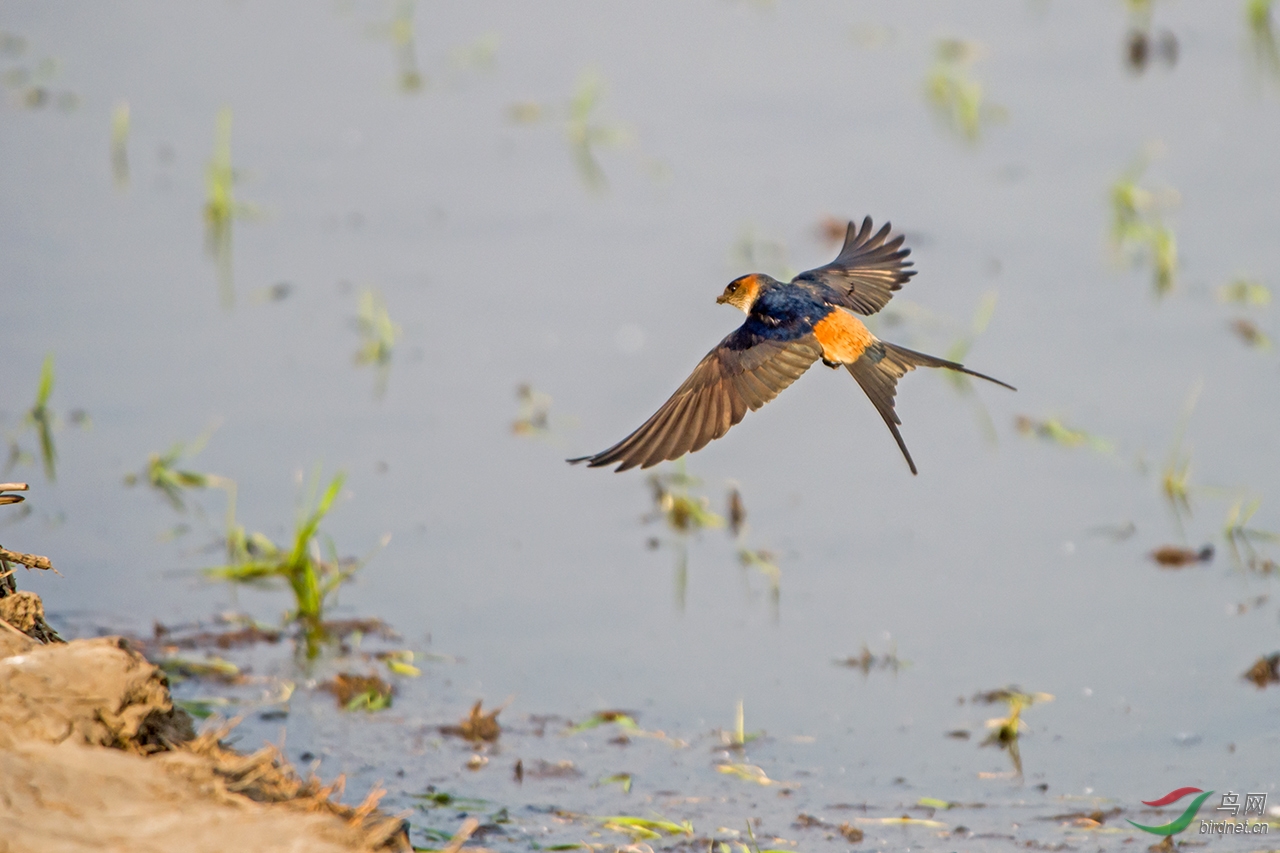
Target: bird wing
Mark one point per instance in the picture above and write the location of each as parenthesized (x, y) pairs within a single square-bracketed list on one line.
[(878, 372), (743, 372), (865, 274)]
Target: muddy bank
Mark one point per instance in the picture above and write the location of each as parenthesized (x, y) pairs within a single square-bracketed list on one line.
[(94, 756)]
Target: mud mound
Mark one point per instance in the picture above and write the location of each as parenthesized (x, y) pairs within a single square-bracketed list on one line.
[(95, 757)]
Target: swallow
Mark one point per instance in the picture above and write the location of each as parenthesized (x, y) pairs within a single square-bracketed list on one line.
[(789, 326)]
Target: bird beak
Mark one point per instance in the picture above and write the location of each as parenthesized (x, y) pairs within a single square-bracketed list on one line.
[(721, 299)]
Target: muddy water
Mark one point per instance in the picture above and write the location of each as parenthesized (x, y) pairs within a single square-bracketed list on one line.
[(505, 260)]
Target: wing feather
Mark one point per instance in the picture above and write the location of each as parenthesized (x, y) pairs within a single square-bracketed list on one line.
[(866, 273), (737, 376)]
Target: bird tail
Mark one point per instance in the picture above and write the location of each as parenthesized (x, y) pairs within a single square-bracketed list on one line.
[(878, 371), (919, 359)]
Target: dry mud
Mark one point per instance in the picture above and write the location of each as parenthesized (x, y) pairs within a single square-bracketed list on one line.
[(94, 756)]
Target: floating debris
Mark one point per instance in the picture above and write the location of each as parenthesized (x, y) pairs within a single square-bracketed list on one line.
[(209, 669), (643, 828), (1175, 557), (1054, 430), (748, 773), (541, 769), (737, 512), (476, 726), (1265, 671), (955, 94), (359, 692), (1143, 45), (622, 779), (1248, 332), (400, 662), (866, 661)]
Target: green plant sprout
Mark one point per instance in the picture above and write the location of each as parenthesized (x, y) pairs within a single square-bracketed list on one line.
[(41, 420), (120, 145), (162, 474), (1139, 234), (379, 335), (1054, 430), (1245, 291), (1006, 730), (1175, 478), (221, 206), (311, 576), (1241, 537), (1263, 49), (584, 132), (959, 351), (955, 94)]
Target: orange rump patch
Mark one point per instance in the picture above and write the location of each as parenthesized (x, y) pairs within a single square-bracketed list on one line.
[(843, 336)]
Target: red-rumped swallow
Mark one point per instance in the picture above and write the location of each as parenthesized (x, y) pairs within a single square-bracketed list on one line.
[(789, 326)]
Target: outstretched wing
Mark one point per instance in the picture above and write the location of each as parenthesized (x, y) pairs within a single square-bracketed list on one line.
[(743, 372), (878, 372), (866, 273)]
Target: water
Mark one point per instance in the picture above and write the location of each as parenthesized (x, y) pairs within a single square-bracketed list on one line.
[(503, 266)]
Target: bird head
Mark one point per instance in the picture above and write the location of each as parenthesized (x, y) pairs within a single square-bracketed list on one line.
[(742, 292)]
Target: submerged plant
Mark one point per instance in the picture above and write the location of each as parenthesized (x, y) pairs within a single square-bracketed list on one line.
[(955, 93), (1139, 233)]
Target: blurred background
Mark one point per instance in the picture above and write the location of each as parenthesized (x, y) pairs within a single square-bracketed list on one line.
[(440, 247)]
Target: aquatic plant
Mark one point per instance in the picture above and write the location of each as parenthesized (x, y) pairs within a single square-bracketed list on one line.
[(1262, 44), (312, 576), (1054, 430), (41, 420), (1139, 233), (379, 335), (955, 94), (163, 474), (120, 144)]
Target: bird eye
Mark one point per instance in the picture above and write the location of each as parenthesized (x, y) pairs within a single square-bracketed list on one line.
[(733, 287)]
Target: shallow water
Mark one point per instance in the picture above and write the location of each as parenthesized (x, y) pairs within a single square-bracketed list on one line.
[(504, 266)]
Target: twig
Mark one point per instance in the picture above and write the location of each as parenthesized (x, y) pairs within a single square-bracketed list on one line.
[(31, 561)]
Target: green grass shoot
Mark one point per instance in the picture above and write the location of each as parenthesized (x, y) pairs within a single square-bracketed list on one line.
[(955, 94), (408, 77), (739, 737), (120, 144), (1241, 537), (1139, 233), (673, 502), (312, 576), (220, 206), (1175, 478), (1245, 291), (163, 474), (1263, 48), (1054, 430), (586, 133), (378, 337), (41, 419)]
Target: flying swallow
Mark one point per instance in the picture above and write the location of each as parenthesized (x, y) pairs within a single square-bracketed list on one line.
[(789, 326)]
